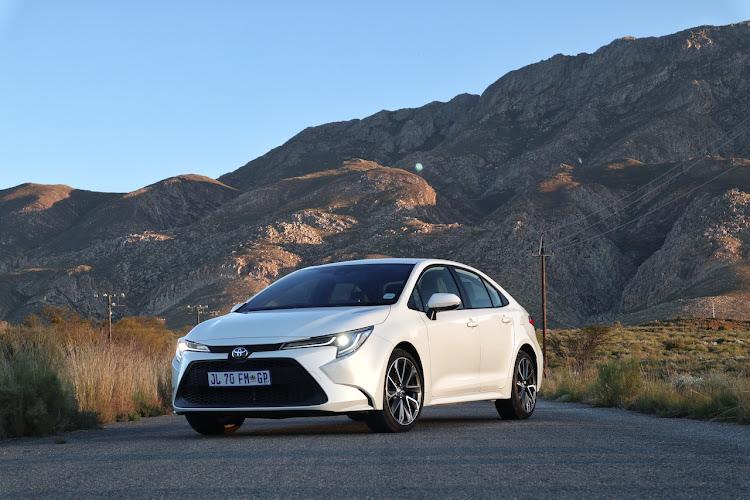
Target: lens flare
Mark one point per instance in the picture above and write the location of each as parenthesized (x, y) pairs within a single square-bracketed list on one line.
[(418, 167)]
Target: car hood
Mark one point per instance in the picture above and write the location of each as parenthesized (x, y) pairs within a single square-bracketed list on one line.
[(286, 325)]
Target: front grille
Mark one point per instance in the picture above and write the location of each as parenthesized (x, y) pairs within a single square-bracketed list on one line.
[(291, 385), (250, 348)]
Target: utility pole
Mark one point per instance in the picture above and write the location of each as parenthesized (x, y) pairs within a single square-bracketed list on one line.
[(541, 253), (110, 305), (198, 310)]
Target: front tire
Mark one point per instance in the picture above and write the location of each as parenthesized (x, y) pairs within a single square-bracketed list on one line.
[(214, 425), (523, 394), (403, 395)]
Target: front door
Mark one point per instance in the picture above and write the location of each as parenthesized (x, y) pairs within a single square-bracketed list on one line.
[(454, 339)]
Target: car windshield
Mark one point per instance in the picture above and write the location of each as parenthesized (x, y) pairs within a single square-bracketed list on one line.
[(334, 286)]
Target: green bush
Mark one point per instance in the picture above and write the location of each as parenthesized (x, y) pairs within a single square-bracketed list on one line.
[(34, 401), (619, 382)]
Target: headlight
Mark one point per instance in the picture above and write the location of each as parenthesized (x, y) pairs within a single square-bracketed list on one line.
[(186, 345), (345, 342)]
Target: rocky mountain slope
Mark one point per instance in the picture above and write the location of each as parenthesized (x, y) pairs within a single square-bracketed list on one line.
[(607, 153)]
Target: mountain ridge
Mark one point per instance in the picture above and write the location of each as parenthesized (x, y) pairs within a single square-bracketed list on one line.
[(557, 146)]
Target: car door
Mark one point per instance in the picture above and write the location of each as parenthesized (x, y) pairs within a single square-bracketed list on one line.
[(495, 329), (453, 338)]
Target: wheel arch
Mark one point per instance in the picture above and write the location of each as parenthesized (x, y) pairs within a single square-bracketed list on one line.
[(529, 349), (411, 349), (408, 347)]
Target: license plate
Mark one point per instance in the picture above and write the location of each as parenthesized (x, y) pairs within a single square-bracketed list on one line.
[(239, 379)]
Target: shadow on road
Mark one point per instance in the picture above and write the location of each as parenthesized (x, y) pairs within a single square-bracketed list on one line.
[(264, 428)]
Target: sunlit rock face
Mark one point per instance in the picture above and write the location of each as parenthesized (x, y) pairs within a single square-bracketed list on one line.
[(606, 153)]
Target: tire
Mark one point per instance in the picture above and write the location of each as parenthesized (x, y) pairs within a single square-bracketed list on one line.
[(403, 395), (523, 396), (214, 425)]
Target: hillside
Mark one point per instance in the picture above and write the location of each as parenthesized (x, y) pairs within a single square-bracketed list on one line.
[(559, 146)]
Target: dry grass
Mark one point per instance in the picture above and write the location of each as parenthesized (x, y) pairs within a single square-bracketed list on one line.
[(57, 371), (693, 368), (719, 397), (119, 381)]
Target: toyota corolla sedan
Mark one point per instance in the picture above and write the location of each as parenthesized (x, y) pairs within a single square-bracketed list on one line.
[(376, 340)]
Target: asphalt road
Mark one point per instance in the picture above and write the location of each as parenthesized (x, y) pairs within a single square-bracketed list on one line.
[(464, 451)]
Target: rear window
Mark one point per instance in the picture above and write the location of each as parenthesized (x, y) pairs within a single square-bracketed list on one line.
[(479, 297), (498, 299), (334, 286)]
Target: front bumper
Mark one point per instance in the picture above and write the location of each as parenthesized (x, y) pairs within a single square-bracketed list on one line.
[(303, 381)]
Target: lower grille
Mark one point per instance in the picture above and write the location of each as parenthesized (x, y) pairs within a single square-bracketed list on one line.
[(291, 385)]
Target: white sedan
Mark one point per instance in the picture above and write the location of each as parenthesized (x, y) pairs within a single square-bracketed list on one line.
[(377, 340)]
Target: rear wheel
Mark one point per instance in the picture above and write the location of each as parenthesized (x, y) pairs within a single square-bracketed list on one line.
[(214, 425), (402, 395), (523, 394)]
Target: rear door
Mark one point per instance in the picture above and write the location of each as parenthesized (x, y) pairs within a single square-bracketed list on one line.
[(490, 309)]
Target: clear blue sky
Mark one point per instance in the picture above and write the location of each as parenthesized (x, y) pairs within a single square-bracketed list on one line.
[(115, 95)]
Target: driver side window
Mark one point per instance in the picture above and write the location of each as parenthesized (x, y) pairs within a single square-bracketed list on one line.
[(436, 279)]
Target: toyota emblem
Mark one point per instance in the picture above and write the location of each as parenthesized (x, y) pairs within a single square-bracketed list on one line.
[(239, 353)]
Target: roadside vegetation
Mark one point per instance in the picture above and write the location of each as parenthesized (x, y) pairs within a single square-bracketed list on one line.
[(693, 368), (58, 372)]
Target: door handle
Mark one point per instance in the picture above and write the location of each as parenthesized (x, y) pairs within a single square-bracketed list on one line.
[(472, 323), (506, 319)]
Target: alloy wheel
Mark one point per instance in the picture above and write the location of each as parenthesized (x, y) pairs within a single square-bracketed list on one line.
[(403, 391), (526, 383)]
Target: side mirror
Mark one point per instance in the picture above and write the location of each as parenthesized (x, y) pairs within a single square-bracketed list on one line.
[(237, 306), (442, 302)]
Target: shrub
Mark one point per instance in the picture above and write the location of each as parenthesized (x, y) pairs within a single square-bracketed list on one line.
[(619, 382), (34, 400), (579, 347)]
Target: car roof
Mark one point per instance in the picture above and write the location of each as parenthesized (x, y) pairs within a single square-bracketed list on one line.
[(395, 260)]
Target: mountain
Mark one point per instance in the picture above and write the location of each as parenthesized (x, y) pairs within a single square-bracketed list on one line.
[(608, 154)]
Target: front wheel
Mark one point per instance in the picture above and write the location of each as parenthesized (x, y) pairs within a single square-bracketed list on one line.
[(213, 425), (523, 393), (402, 395)]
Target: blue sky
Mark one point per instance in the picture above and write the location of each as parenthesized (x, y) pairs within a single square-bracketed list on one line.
[(115, 95)]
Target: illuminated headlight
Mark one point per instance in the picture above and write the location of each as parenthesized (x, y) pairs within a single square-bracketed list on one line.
[(186, 345), (345, 342)]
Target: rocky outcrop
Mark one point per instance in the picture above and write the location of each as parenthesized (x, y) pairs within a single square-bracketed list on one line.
[(705, 254)]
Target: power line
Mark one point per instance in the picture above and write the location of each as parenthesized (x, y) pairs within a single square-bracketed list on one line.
[(655, 209), (558, 228), (110, 305), (198, 310), (649, 192)]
